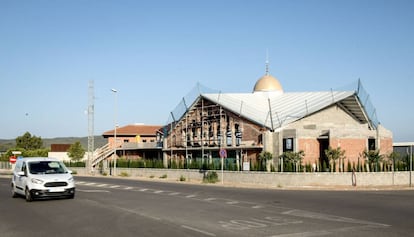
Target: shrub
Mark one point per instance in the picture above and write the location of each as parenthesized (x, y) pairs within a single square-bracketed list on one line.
[(182, 178), (210, 177), (124, 174), (75, 164), (164, 176)]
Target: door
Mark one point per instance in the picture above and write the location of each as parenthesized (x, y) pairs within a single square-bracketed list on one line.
[(323, 159), (20, 180)]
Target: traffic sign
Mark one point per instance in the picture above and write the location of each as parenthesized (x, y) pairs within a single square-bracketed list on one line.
[(12, 159), (223, 153)]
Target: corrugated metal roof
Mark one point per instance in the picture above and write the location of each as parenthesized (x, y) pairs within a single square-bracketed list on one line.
[(274, 110), (284, 107)]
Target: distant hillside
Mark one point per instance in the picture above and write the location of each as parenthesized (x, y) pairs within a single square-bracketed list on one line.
[(99, 141)]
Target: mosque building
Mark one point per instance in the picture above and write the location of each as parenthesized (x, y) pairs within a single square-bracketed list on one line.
[(240, 126)]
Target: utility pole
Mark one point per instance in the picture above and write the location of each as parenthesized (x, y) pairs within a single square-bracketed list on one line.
[(91, 137), (411, 162), (115, 125)]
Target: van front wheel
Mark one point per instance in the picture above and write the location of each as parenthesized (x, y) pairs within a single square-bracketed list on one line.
[(28, 195), (14, 194)]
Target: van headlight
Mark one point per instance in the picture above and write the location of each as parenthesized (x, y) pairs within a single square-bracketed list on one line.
[(71, 180), (37, 181)]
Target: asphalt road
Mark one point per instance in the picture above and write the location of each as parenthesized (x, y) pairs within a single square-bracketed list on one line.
[(124, 207)]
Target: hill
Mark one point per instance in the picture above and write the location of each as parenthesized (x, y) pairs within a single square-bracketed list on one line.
[(99, 141)]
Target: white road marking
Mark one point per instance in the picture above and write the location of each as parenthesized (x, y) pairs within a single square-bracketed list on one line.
[(102, 185), (321, 216), (140, 213), (198, 230), (114, 186), (304, 234), (158, 191), (210, 199), (128, 188), (92, 191), (190, 196), (232, 202), (327, 232), (173, 194), (143, 189)]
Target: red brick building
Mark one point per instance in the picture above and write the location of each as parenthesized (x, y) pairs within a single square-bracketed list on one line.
[(136, 141)]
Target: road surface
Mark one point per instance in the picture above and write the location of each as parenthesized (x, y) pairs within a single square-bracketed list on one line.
[(125, 207)]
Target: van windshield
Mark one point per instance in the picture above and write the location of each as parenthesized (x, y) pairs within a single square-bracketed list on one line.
[(46, 167)]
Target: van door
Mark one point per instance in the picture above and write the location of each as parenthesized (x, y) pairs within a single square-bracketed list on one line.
[(20, 180)]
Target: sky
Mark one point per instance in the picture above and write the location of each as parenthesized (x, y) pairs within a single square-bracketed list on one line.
[(155, 52)]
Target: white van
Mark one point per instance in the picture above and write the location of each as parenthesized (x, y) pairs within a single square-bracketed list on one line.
[(42, 177)]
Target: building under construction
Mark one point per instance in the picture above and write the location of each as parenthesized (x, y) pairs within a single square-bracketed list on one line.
[(240, 126), (208, 125)]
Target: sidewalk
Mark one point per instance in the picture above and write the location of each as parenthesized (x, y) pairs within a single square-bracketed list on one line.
[(262, 186), (8, 173)]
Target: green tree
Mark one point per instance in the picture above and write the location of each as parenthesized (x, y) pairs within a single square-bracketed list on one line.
[(266, 157), (293, 158), (391, 158), (373, 157), (334, 155), (29, 142), (76, 151)]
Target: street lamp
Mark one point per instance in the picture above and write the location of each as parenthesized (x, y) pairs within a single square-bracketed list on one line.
[(115, 112)]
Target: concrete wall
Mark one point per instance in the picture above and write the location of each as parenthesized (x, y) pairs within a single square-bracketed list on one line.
[(264, 179)]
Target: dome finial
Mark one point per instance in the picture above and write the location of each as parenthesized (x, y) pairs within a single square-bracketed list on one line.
[(268, 83)]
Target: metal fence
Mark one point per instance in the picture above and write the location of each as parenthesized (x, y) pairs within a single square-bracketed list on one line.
[(185, 103), (364, 99), (5, 165)]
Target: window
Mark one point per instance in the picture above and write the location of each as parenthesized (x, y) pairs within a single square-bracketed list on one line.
[(287, 144), (238, 134), (371, 144), (24, 168), (229, 137)]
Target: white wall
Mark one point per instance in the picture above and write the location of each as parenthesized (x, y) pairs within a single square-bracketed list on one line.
[(63, 156)]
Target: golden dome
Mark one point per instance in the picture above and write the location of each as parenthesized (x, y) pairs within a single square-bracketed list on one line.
[(267, 83)]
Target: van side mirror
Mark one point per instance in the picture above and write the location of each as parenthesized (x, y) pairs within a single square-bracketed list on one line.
[(70, 171), (21, 173)]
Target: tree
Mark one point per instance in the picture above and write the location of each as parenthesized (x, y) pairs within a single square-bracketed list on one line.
[(76, 151), (29, 142), (373, 157), (334, 155), (293, 158), (392, 157), (266, 156)]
